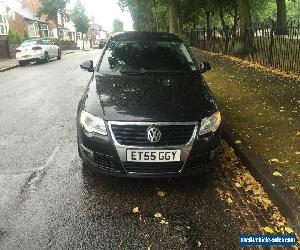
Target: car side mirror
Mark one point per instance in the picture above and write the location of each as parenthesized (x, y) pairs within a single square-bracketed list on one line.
[(88, 66), (204, 66)]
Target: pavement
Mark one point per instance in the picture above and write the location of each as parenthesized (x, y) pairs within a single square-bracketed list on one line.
[(47, 200), (7, 64)]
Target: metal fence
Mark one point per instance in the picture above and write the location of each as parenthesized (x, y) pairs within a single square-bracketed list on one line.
[(269, 45)]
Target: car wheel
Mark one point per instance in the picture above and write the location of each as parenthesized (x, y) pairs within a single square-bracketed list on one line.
[(22, 63), (59, 55), (46, 57)]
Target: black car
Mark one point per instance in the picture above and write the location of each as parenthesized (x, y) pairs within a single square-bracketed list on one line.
[(147, 111)]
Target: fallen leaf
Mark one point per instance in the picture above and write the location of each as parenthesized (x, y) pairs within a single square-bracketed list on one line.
[(161, 193), (237, 142), (268, 230), (158, 215), (292, 188), (229, 200), (163, 222), (276, 173), (298, 133), (135, 210), (199, 244), (274, 160), (297, 152), (288, 230), (238, 185)]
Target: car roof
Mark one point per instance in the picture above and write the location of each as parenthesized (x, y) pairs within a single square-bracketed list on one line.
[(146, 36)]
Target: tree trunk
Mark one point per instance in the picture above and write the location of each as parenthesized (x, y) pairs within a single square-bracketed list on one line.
[(246, 27), (173, 16), (156, 16), (281, 18), (208, 25)]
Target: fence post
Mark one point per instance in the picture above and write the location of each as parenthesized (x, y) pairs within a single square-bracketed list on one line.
[(226, 39), (271, 45)]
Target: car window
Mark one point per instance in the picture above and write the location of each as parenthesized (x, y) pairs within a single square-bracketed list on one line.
[(29, 43), (46, 42), (135, 56)]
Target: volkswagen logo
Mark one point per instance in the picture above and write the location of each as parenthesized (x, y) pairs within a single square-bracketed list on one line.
[(154, 134)]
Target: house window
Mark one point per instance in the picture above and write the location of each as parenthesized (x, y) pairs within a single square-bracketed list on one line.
[(47, 32), (3, 25), (33, 30)]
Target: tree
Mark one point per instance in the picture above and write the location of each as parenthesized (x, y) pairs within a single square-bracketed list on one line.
[(117, 25), (80, 18), (281, 17), (246, 26), (173, 16), (52, 8)]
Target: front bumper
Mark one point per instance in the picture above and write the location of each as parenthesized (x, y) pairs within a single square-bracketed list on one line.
[(103, 155)]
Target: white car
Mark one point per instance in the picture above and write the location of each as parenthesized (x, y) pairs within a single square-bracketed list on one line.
[(39, 50)]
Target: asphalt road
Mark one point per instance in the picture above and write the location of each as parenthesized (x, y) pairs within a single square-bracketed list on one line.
[(48, 201)]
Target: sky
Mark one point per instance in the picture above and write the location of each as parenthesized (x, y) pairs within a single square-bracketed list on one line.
[(105, 11)]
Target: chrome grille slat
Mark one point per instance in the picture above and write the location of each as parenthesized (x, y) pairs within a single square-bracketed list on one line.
[(171, 134)]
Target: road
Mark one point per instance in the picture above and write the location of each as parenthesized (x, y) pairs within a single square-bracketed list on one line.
[(48, 201)]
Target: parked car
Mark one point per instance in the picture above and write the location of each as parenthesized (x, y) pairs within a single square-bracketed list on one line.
[(102, 43), (39, 50), (147, 111)]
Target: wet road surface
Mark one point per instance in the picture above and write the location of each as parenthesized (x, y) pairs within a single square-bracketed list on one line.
[(48, 200)]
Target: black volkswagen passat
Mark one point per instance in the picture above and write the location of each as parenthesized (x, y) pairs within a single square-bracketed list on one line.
[(147, 111)]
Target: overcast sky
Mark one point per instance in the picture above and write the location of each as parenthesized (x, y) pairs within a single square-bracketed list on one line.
[(105, 11)]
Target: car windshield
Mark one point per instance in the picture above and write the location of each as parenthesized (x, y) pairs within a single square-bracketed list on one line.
[(136, 57), (30, 43)]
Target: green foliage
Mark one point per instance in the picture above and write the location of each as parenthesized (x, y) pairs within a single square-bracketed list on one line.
[(52, 7), (11, 36), (80, 18), (26, 36), (17, 37), (117, 25), (293, 10)]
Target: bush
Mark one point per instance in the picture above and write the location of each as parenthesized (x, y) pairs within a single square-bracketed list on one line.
[(26, 36), (17, 37), (11, 36)]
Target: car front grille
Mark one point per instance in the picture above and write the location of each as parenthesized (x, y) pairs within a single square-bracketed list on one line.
[(136, 135), (152, 168)]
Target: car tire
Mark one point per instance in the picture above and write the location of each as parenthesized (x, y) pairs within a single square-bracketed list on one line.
[(59, 55), (22, 63), (46, 57)]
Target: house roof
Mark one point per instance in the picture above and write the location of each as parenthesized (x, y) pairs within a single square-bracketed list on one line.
[(24, 12)]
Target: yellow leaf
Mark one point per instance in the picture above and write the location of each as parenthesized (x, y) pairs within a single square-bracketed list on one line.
[(298, 133), (292, 188), (163, 222), (238, 185), (135, 210), (229, 200), (274, 160), (158, 215), (288, 230), (276, 173), (297, 152), (268, 230), (161, 193), (237, 142)]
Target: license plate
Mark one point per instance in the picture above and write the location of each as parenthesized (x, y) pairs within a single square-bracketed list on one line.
[(139, 155)]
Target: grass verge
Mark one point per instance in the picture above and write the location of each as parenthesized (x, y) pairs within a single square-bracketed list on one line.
[(263, 107)]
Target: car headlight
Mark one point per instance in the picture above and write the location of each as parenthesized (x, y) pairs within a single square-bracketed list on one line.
[(92, 124), (210, 124)]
